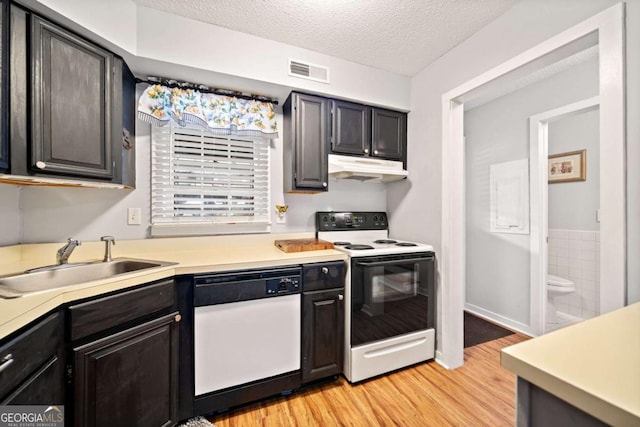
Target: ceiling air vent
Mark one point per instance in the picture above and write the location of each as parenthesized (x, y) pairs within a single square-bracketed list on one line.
[(305, 70)]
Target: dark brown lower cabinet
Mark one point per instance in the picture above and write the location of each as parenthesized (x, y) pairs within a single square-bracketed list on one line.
[(44, 387), (322, 334), (31, 364), (129, 378)]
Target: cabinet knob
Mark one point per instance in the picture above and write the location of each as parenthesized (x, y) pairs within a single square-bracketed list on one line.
[(366, 151), (325, 270), (324, 184), (375, 151), (178, 318), (340, 297), (40, 164)]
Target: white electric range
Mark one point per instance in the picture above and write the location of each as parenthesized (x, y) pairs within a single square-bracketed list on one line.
[(389, 295)]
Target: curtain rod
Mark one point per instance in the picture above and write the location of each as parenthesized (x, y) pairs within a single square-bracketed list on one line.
[(205, 89)]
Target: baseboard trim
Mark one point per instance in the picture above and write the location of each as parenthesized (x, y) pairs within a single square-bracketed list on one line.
[(498, 319), (439, 361)]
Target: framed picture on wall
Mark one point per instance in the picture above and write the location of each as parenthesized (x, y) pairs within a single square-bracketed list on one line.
[(568, 167)]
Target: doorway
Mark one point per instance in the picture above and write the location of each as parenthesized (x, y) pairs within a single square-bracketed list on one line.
[(565, 238), (608, 29)]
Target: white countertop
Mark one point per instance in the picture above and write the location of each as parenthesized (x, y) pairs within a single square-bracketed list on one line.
[(192, 255), (593, 365)]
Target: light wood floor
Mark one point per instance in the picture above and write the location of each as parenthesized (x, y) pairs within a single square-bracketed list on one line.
[(480, 393)]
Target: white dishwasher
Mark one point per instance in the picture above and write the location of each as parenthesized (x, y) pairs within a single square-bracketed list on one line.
[(246, 336)]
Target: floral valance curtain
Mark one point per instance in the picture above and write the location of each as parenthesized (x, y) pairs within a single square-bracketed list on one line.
[(220, 114)]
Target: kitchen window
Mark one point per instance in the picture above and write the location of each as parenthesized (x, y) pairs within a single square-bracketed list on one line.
[(203, 183)]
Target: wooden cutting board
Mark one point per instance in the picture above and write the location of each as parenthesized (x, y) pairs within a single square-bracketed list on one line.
[(302, 245)]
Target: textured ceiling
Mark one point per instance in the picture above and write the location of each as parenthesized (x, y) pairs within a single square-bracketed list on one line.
[(401, 36)]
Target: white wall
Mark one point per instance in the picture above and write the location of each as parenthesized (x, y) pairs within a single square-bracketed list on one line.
[(166, 44), (52, 214), (415, 205), (154, 42), (573, 205), (112, 21), (9, 215), (497, 264), (200, 45)]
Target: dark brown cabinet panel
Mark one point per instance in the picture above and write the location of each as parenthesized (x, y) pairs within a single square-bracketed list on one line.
[(351, 131), (71, 82), (322, 276), (323, 334), (306, 136), (322, 320), (389, 133), (129, 378), (100, 314), (44, 387), (31, 367)]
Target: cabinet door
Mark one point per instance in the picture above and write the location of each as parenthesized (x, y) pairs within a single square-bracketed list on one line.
[(351, 133), (25, 354), (129, 378), (311, 142), (71, 104), (4, 93), (44, 387), (389, 133), (322, 334)]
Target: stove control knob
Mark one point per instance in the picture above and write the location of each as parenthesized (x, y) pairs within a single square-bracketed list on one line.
[(366, 151), (325, 270)]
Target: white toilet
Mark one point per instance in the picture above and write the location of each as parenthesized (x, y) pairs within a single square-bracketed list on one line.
[(556, 286)]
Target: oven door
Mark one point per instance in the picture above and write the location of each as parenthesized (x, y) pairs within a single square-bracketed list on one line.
[(391, 295)]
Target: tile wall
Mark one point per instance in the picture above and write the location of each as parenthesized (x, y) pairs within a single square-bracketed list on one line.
[(575, 255)]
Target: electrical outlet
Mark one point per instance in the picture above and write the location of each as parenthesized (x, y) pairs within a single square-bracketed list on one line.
[(133, 216), (281, 218)]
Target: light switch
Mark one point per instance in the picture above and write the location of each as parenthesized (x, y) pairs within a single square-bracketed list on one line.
[(133, 216)]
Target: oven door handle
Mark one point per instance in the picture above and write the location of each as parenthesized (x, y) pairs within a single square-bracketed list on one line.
[(391, 262)]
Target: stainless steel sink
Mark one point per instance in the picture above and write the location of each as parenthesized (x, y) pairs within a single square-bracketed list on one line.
[(59, 276)]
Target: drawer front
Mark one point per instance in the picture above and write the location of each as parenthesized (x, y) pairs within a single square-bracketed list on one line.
[(103, 313), (326, 275), (23, 355), (45, 387)]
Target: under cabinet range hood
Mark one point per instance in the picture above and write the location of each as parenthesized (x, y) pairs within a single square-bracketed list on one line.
[(365, 169)]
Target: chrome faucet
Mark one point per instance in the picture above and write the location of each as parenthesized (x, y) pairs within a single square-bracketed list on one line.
[(63, 254), (108, 240)]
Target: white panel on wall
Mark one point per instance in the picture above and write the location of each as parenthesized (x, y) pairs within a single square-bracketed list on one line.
[(509, 193)]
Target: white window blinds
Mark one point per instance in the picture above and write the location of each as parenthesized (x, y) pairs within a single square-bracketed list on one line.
[(207, 184)]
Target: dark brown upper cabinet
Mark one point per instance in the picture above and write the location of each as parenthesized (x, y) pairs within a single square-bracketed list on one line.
[(4, 78), (351, 131), (306, 140), (389, 133), (368, 131), (71, 103)]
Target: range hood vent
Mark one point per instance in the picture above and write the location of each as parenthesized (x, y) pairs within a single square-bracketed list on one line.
[(305, 70), (365, 169)]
